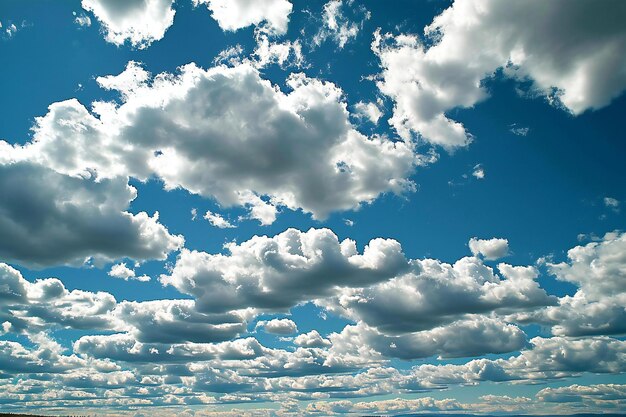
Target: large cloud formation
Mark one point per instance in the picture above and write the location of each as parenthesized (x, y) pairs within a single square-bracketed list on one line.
[(569, 51), (229, 134), (179, 351)]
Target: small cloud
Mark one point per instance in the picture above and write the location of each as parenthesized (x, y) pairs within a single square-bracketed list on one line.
[(612, 203), (337, 25), (518, 130), (122, 271), (194, 214), (348, 222), (368, 110), (277, 326), (491, 249), (479, 172), (218, 221), (82, 19)]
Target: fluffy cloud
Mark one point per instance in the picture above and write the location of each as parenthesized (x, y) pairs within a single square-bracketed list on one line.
[(49, 218), (371, 111), (296, 150), (573, 61), (278, 326), (471, 337), (280, 272), (491, 249), (597, 307), (311, 339), (123, 272), (395, 406), (237, 14), (435, 293), (141, 22), (176, 321), (579, 393), (29, 308)]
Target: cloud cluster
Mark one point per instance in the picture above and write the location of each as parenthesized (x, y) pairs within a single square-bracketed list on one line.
[(598, 269), (296, 150), (279, 272), (572, 62)]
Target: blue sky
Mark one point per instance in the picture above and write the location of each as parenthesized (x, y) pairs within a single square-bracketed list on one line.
[(363, 207)]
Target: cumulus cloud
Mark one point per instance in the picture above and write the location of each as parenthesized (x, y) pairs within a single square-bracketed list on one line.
[(123, 272), (140, 22), (474, 336), (573, 63), (580, 393), (597, 307), (311, 339), (545, 359), (30, 308), (279, 272), (491, 249), (49, 218), (435, 293), (296, 150), (278, 326), (371, 111), (237, 14)]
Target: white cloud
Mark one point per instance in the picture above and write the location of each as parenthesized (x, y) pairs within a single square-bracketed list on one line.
[(123, 272), (337, 26), (572, 62), (296, 150), (598, 269), (32, 308), (518, 130), (81, 19), (140, 22), (369, 110), (278, 326), (237, 14), (280, 272), (580, 393), (491, 249), (311, 339), (612, 203), (474, 336), (284, 54), (434, 294), (478, 172), (217, 220), (51, 219)]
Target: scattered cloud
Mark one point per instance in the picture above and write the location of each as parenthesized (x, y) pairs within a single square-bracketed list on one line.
[(217, 220)]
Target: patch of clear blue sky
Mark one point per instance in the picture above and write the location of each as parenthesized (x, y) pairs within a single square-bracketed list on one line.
[(540, 191)]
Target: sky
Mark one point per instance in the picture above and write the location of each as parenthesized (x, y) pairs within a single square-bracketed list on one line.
[(281, 208)]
